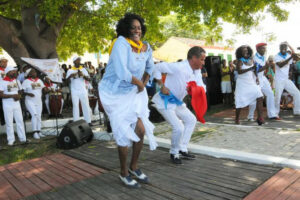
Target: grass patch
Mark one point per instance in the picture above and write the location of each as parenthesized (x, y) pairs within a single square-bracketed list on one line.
[(298, 129), (35, 149)]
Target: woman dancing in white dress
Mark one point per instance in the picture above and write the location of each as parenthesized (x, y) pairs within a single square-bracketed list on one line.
[(247, 89)]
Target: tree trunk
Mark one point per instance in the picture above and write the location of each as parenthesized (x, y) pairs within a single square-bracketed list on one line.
[(31, 37)]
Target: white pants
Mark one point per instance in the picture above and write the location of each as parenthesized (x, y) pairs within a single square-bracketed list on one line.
[(35, 110), (252, 108), (48, 105), (181, 131), (11, 112), (290, 87), (267, 91), (84, 100)]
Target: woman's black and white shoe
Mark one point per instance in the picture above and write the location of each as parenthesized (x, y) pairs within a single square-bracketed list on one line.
[(128, 181), (175, 159), (139, 175)]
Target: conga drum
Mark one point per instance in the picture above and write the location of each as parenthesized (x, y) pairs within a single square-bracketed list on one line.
[(93, 102), (55, 103)]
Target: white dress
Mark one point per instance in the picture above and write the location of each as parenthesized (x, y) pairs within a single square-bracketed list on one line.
[(246, 91), (123, 111), (120, 99)]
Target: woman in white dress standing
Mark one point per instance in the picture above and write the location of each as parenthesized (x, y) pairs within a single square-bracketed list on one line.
[(124, 97), (247, 89)]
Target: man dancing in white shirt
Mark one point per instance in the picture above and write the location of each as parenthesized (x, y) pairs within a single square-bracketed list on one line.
[(178, 75), (282, 81), (261, 65)]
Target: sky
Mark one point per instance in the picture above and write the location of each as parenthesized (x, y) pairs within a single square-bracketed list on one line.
[(284, 31)]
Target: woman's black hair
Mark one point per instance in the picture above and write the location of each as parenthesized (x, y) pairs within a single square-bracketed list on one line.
[(239, 51), (124, 24)]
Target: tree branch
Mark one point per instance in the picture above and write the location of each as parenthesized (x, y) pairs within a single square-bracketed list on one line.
[(3, 3), (69, 12), (13, 24), (9, 39)]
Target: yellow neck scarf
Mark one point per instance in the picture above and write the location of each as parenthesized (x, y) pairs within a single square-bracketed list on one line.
[(132, 43), (75, 68)]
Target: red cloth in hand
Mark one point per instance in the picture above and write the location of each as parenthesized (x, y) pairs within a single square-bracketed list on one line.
[(198, 101)]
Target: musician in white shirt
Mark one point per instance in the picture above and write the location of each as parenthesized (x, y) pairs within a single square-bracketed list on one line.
[(9, 92), (78, 75), (33, 87)]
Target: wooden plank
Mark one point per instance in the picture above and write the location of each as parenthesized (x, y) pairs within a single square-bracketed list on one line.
[(162, 192), (29, 174), (81, 165), (72, 176), (46, 177), (103, 162), (43, 196), (16, 183), (54, 195), (192, 184), (25, 182), (292, 192), (208, 173), (77, 170), (49, 171), (83, 186), (113, 180), (70, 193), (4, 188), (207, 185), (31, 198), (97, 184), (260, 192), (280, 185), (219, 169)]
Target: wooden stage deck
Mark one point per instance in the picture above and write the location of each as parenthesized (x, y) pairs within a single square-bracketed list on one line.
[(203, 178), (26, 178)]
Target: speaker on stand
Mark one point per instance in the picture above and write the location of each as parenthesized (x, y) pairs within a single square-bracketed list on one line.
[(74, 134), (213, 67)]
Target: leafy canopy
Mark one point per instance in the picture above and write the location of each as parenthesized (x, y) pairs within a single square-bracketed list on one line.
[(91, 26)]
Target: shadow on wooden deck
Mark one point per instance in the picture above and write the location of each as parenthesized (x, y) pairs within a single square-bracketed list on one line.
[(204, 178)]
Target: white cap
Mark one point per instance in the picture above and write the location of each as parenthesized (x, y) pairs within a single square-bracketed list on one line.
[(75, 58), (3, 58), (10, 68)]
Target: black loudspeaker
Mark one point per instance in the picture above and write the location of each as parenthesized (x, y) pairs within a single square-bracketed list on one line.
[(213, 67), (74, 134)]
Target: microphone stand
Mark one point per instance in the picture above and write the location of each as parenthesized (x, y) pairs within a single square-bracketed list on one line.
[(56, 114)]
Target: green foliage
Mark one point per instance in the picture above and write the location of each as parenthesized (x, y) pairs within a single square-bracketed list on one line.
[(92, 25), (181, 26)]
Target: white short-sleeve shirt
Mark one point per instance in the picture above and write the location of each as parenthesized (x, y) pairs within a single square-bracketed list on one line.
[(77, 83), (35, 87), (10, 87), (283, 72)]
